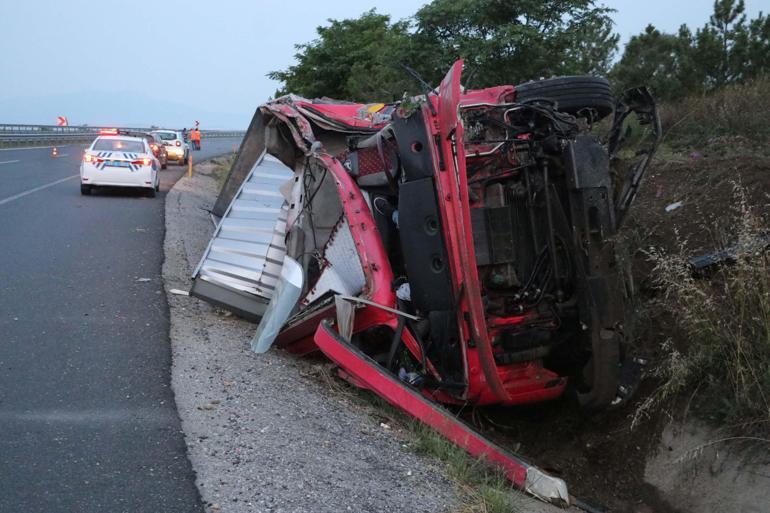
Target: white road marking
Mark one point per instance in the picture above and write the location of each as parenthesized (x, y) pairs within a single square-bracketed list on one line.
[(34, 147), (36, 189), (9, 161)]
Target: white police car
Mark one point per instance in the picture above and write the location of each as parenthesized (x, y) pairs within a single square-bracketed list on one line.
[(118, 160)]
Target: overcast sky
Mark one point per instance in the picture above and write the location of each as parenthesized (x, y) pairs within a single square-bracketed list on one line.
[(208, 57)]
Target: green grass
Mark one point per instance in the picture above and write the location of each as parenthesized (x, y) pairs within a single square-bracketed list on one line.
[(479, 487)]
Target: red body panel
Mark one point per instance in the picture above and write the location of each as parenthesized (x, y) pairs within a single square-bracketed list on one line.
[(487, 382)]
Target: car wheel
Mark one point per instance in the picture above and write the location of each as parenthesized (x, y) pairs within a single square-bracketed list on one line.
[(577, 95), (85, 190), (150, 192), (157, 186)]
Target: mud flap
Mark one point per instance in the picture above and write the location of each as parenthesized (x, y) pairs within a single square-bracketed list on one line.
[(365, 371)]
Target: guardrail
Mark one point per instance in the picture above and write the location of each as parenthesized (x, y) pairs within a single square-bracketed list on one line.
[(20, 135)]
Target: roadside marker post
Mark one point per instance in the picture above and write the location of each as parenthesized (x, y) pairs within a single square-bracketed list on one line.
[(189, 165)]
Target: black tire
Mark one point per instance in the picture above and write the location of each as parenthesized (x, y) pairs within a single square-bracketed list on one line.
[(85, 190), (571, 94), (164, 165), (151, 192), (157, 186)]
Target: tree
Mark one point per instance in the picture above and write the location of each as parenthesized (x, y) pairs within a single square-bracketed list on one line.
[(502, 41), (659, 60), (726, 50), (347, 60), (506, 42)]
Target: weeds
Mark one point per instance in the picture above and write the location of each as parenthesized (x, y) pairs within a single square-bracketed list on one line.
[(723, 348), (482, 489), (727, 121), (222, 169)]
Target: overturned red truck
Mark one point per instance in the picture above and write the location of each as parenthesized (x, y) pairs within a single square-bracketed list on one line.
[(454, 248)]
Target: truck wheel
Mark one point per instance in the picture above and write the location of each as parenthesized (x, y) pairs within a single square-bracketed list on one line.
[(577, 95), (85, 190)]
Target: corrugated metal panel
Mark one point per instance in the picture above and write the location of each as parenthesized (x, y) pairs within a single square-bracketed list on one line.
[(239, 268)]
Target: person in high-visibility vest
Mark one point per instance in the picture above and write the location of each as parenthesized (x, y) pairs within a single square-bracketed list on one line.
[(195, 137)]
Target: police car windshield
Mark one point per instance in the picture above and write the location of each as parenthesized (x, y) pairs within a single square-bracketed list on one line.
[(116, 144), (167, 136)]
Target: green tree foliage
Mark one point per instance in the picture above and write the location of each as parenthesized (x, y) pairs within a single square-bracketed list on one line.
[(347, 60), (506, 42), (502, 42), (659, 60), (726, 50)]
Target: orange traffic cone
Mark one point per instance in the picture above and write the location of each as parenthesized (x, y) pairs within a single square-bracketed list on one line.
[(54, 152)]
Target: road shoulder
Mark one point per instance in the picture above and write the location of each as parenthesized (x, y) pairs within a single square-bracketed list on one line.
[(263, 432)]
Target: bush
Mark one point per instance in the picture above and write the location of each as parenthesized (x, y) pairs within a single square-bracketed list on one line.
[(722, 357), (735, 115)]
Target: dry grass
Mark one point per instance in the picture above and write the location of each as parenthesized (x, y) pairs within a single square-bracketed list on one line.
[(730, 120), (222, 169), (720, 359)]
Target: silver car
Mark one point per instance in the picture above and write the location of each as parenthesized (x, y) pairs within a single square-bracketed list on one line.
[(176, 148)]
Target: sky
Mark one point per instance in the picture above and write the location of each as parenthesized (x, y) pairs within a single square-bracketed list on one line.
[(169, 62)]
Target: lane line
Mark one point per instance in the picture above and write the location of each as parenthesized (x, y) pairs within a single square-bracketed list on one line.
[(23, 148), (36, 189), (9, 161)]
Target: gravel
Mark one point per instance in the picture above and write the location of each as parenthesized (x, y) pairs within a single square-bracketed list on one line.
[(265, 433)]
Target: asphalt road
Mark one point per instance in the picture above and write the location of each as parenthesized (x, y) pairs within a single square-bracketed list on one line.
[(88, 421)]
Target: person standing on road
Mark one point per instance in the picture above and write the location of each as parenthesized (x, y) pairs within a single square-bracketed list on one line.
[(195, 136)]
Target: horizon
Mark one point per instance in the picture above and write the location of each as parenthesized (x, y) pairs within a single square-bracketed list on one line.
[(208, 72)]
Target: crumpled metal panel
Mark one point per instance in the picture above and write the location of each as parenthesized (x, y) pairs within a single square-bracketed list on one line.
[(342, 272), (244, 257)]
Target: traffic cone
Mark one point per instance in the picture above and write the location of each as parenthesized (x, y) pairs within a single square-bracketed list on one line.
[(54, 152)]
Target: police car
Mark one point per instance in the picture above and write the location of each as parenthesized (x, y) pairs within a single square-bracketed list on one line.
[(116, 159)]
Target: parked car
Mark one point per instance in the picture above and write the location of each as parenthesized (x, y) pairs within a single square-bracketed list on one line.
[(176, 148), (119, 161), (158, 149)]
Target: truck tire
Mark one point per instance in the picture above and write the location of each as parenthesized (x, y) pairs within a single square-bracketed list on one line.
[(571, 94)]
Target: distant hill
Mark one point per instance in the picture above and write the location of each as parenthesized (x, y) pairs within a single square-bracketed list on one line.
[(99, 108)]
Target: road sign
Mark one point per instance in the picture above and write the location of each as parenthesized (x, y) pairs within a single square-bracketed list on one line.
[(197, 123), (61, 121)]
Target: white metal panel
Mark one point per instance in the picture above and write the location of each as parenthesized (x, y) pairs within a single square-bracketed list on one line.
[(247, 249)]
